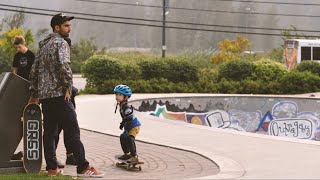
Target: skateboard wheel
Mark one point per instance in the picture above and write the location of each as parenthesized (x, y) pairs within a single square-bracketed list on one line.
[(128, 167), (140, 168), (117, 164)]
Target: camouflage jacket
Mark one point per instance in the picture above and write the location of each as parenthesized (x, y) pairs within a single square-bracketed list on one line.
[(51, 75)]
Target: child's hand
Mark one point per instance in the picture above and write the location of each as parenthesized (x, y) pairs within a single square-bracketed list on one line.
[(121, 126)]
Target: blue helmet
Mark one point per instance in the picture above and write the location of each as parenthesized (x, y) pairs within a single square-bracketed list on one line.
[(123, 89)]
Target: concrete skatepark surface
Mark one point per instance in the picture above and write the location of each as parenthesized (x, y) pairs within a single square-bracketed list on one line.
[(238, 154), (177, 148)]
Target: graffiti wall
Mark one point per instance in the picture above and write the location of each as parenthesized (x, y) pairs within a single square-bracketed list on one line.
[(276, 116)]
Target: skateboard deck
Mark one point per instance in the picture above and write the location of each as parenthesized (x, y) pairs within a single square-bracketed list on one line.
[(129, 166), (32, 138)]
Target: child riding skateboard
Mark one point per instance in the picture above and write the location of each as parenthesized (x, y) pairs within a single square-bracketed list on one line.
[(130, 123)]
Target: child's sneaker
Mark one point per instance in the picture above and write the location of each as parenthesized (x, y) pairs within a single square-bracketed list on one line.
[(124, 157), (90, 172), (54, 172), (133, 159)]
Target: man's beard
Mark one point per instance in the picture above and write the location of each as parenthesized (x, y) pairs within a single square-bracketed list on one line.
[(64, 34)]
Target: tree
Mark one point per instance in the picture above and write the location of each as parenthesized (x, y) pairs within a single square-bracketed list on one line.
[(80, 52), (41, 33), (293, 33), (230, 49), (14, 21)]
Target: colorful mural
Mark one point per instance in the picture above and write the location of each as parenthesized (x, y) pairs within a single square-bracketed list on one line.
[(283, 118)]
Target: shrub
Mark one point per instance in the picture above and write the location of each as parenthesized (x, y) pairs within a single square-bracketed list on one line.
[(181, 71), (251, 87), (155, 68), (100, 68), (267, 71), (131, 72), (299, 82), (171, 69), (229, 87), (236, 70), (143, 86), (209, 75), (311, 66)]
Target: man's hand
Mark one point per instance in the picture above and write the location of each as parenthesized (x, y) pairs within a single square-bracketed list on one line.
[(67, 97), (33, 100)]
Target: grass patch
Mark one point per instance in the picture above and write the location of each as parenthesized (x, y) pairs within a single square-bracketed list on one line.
[(42, 175), (131, 57)]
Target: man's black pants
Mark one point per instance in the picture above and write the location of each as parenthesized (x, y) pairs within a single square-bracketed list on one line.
[(66, 143), (59, 111)]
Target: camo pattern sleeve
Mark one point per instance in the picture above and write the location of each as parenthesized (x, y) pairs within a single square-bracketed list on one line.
[(51, 75), (64, 68)]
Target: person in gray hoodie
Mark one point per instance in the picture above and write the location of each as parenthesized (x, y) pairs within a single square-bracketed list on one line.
[(51, 85)]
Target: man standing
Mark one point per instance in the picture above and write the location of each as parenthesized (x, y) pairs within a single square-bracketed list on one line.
[(51, 83), (23, 59)]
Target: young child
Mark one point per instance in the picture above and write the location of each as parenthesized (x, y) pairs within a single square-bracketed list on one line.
[(129, 122)]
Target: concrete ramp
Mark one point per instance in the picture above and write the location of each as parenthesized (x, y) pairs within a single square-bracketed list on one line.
[(14, 95), (284, 116)]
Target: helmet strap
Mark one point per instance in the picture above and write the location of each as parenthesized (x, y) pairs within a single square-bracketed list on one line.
[(115, 111)]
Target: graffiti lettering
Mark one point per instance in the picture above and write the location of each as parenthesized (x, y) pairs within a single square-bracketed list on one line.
[(297, 128), (286, 117)]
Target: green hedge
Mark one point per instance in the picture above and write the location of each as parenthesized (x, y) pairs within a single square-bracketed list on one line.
[(99, 68), (267, 71), (311, 66), (175, 70), (236, 70), (179, 76), (300, 82), (144, 86)]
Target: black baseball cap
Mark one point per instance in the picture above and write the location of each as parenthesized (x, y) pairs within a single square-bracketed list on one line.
[(60, 19)]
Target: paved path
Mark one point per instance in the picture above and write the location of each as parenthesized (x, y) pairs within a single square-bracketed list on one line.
[(160, 162), (239, 155), (79, 82)]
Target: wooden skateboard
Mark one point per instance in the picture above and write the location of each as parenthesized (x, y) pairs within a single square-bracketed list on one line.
[(32, 138), (127, 165)]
